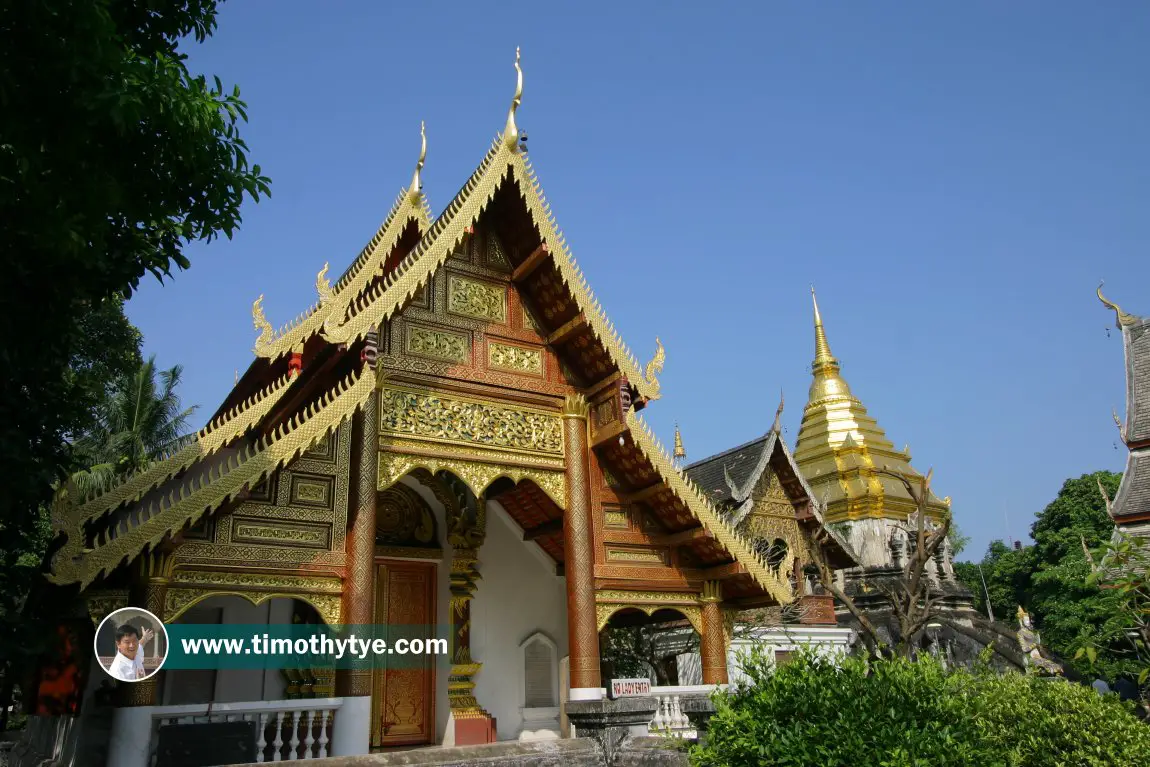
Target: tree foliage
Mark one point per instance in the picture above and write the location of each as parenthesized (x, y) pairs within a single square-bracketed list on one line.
[(1050, 577), (113, 157), (898, 713)]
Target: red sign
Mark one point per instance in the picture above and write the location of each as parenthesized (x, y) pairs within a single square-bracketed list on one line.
[(630, 688)]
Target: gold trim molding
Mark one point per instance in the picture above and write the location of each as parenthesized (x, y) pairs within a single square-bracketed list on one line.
[(478, 475), (190, 587)]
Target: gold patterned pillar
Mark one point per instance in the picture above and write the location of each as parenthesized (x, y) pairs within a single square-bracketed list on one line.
[(152, 573), (713, 642), (356, 608), (579, 556)]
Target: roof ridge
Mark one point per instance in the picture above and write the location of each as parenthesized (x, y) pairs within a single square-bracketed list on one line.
[(220, 431), (355, 279), (186, 504), (728, 451), (703, 510)]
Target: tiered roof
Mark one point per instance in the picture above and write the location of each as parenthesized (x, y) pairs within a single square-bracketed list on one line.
[(1132, 501)]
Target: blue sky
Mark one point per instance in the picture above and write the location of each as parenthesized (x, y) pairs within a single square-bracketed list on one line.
[(954, 178)]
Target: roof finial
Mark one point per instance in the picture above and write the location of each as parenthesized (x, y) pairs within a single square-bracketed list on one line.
[(1122, 317), (416, 181), (776, 426), (823, 354), (680, 452), (511, 132)]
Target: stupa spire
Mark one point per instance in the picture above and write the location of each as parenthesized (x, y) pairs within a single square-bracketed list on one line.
[(823, 354)]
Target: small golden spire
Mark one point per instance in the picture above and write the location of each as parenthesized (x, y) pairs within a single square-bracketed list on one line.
[(823, 356), (777, 425), (1121, 317), (511, 132), (416, 181), (680, 453)]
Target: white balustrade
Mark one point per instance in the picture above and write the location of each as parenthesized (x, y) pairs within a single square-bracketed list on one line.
[(670, 721), (314, 715)]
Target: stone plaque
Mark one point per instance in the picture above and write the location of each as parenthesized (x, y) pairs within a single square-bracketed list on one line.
[(206, 745)]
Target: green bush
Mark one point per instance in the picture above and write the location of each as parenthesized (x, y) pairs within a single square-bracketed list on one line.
[(897, 713)]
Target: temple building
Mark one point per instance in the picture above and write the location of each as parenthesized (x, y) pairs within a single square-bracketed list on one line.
[(1130, 508), (451, 437), (845, 464)]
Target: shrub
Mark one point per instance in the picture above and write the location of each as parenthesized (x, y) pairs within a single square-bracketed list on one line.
[(898, 713)]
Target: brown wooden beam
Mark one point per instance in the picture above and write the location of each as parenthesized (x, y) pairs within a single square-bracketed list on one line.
[(608, 433), (722, 572), (568, 329), (531, 263), (550, 527), (683, 537), (644, 494)]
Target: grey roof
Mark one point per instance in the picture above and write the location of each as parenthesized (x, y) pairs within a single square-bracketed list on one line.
[(740, 463), (1136, 340), (1133, 496)]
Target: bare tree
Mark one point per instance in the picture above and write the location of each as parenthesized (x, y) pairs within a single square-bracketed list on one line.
[(909, 595)]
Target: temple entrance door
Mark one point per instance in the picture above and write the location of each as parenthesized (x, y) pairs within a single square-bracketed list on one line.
[(403, 697)]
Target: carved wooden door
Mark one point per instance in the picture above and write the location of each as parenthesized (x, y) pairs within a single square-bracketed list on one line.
[(403, 691)]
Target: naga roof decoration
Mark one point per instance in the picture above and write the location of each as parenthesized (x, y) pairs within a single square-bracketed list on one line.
[(222, 430), (708, 515), (194, 496), (503, 160), (411, 205)]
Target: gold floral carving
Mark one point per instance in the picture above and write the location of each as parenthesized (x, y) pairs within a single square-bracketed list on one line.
[(316, 537), (480, 300), (308, 490), (194, 496), (529, 321), (436, 344), (604, 611), (496, 257), (615, 519), (402, 517), (192, 586), (450, 419), (478, 475), (741, 548), (180, 600), (101, 604), (636, 555), (772, 518), (322, 450), (514, 358)]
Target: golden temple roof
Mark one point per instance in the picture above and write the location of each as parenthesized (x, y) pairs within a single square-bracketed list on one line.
[(841, 449)]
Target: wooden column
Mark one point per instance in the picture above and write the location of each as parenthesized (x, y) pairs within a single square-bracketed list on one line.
[(579, 555), (149, 590), (357, 607), (713, 643)]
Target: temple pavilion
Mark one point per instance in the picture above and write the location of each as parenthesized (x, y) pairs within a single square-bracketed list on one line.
[(1130, 508), (452, 436)]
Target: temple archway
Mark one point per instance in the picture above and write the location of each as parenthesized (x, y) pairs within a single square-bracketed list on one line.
[(660, 643)]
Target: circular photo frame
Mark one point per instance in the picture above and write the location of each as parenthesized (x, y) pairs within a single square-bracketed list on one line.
[(131, 644)]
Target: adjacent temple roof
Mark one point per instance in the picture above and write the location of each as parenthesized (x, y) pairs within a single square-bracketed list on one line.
[(1132, 502), (843, 452)]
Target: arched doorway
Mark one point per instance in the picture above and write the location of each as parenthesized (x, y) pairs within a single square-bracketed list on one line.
[(661, 645)]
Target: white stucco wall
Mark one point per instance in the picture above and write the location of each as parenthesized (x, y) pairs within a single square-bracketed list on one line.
[(518, 595), (229, 685)]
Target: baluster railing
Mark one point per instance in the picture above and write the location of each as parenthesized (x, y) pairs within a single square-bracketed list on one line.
[(311, 714)]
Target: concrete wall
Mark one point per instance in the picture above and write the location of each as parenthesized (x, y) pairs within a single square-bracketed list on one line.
[(518, 595)]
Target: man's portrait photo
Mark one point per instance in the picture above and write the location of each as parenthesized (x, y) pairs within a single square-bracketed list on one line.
[(131, 644)]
